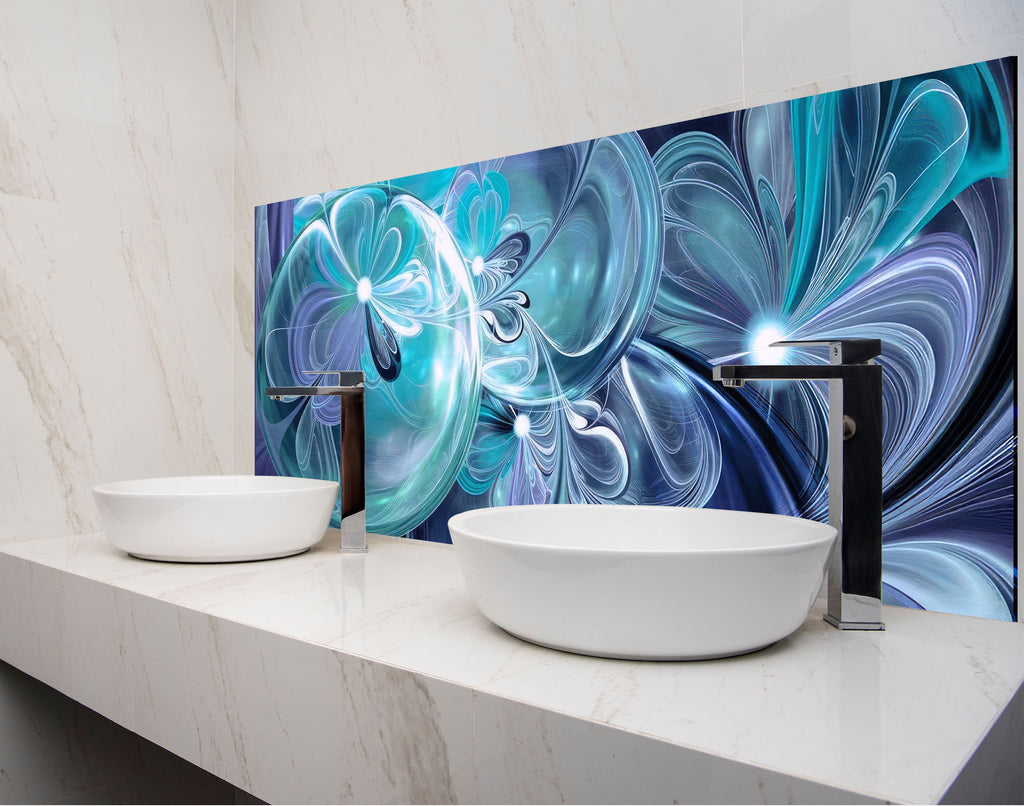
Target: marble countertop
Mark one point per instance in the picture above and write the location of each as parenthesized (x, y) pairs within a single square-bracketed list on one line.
[(330, 677)]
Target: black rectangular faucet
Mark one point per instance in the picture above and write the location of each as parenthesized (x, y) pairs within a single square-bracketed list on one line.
[(854, 469), (352, 449)]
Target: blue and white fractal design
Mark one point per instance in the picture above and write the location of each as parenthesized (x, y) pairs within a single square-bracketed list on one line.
[(541, 328)]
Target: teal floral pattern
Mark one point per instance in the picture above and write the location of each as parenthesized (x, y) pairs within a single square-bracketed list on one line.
[(542, 327)]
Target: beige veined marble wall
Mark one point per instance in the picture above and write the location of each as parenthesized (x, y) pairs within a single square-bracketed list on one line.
[(116, 317)]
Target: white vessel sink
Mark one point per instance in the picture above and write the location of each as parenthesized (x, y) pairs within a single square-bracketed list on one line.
[(208, 519), (646, 583)]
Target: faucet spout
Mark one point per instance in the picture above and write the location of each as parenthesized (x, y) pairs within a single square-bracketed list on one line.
[(735, 375), (854, 469)]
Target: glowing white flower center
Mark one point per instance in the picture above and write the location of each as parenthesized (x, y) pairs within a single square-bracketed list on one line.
[(478, 265), (364, 290), (521, 427), (760, 347)]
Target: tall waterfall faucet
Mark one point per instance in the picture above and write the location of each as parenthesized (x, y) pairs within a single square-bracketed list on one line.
[(854, 588), (351, 451)]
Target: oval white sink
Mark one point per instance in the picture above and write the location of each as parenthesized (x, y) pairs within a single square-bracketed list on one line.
[(646, 583), (209, 519)]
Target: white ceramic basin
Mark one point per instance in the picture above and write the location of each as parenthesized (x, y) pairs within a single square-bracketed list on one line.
[(647, 583), (208, 519)]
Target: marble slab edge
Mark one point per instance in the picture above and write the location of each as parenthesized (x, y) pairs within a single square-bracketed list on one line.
[(290, 720)]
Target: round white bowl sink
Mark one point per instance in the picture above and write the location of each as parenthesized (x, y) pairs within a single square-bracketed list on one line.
[(645, 583), (209, 519)]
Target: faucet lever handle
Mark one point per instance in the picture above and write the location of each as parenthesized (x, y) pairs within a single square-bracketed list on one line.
[(841, 351)]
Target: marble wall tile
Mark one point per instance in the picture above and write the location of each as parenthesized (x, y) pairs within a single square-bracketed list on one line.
[(244, 351), (115, 333), (388, 89), (823, 45), (116, 313), (123, 106), (520, 76), (809, 41)]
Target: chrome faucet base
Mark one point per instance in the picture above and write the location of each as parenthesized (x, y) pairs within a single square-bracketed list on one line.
[(853, 625), (352, 537)]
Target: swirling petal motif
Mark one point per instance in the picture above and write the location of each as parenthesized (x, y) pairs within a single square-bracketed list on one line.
[(374, 282), (950, 535), (531, 455), (889, 216), (646, 437), (565, 249), (541, 327)]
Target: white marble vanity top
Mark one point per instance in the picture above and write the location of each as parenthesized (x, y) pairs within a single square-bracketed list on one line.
[(371, 678)]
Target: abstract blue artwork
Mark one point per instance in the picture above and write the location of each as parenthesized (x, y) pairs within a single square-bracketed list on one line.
[(542, 327)]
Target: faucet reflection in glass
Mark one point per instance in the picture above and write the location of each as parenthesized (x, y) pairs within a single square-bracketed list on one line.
[(352, 450), (854, 469)]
